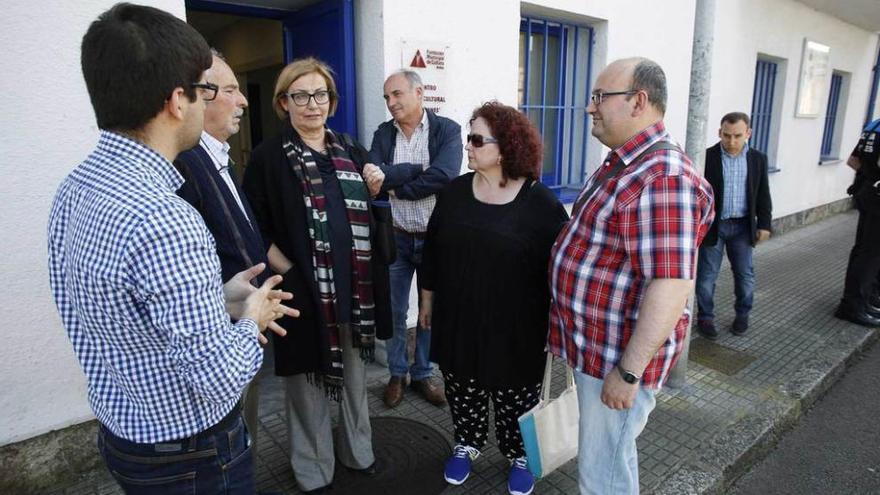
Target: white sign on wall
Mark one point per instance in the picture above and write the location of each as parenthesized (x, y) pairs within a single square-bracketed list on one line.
[(813, 83), (431, 62)]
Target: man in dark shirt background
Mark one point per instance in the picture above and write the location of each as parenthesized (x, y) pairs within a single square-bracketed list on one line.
[(860, 303)]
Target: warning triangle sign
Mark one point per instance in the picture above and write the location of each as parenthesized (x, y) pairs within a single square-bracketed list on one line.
[(418, 61)]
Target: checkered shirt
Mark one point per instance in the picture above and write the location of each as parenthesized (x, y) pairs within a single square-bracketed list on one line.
[(136, 280), (412, 216), (647, 223), (735, 169)]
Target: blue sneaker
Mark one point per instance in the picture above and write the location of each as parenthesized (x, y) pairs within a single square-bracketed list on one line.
[(458, 467), (520, 481)]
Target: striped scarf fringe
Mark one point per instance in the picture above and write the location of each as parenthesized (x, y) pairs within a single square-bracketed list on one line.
[(354, 191)]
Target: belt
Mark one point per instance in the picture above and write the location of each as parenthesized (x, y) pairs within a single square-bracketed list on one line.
[(415, 235), (226, 423)]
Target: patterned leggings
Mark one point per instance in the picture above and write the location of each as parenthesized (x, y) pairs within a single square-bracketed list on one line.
[(470, 413)]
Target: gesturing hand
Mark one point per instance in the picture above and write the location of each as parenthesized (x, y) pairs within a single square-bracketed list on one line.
[(262, 305)]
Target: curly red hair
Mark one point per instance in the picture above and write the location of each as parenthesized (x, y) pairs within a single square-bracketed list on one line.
[(518, 140)]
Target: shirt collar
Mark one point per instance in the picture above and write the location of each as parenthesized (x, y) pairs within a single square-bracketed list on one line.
[(423, 123), (140, 154), (218, 150), (631, 149), (741, 153)]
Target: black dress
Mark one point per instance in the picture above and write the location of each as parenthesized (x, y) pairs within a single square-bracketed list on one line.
[(487, 266)]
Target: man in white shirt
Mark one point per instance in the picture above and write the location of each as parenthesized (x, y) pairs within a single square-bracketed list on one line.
[(209, 186)]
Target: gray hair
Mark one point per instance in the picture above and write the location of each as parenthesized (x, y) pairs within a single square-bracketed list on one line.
[(649, 77), (415, 80)]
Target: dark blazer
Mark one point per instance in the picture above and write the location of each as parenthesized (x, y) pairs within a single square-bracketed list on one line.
[(276, 196), (409, 180), (239, 244), (758, 191)]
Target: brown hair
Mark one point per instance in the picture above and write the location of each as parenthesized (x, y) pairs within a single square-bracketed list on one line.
[(297, 69), (734, 117), (518, 140)]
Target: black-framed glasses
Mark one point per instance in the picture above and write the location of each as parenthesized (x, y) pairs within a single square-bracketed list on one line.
[(301, 98), (209, 90), (597, 97), (478, 140)]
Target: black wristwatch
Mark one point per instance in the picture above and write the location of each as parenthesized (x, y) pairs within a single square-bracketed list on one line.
[(629, 376)]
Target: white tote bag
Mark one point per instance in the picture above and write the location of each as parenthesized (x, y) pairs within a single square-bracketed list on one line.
[(550, 429)]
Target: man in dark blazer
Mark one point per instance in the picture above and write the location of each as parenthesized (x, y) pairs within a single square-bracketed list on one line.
[(738, 175), (211, 189)]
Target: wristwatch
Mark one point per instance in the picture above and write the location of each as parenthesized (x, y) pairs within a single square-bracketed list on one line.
[(629, 376)]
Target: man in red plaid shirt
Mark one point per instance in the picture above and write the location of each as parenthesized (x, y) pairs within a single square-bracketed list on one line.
[(622, 270)]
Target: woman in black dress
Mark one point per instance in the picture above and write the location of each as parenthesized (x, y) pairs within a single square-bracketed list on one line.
[(485, 292)]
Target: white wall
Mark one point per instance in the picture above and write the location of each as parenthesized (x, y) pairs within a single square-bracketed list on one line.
[(778, 28), (661, 31), (50, 128), (483, 57), (369, 63)]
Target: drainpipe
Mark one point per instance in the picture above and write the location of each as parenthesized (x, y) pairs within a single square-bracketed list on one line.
[(869, 117), (695, 144)]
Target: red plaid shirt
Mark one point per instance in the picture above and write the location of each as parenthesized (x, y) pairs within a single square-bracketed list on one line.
[(644, 224)]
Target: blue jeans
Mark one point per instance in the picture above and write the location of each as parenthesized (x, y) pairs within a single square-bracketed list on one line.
[(217, 461), (736, 236), (607, 457), (409, 259)]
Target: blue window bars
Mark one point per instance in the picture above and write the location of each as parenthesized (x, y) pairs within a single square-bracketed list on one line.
[(554, 75)]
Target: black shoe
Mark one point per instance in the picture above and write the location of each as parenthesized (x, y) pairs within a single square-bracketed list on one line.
[(707, 329), (323, 489), (874, 300), (740, 325), (862, 318)]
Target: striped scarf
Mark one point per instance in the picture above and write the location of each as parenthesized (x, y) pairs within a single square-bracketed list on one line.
[(356, 196)]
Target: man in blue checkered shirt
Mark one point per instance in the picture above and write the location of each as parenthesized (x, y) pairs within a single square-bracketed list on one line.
[(135, 276)]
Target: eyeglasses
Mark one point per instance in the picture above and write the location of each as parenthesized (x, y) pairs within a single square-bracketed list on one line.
[(597, 97), (209, 90), (479, 140), (302, 98)]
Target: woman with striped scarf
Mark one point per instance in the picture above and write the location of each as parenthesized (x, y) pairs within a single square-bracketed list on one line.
[(312, 207)]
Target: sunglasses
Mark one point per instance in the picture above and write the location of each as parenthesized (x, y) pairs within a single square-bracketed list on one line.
[(479, 140)]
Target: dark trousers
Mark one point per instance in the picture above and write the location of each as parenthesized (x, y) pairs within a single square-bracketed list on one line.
[(216, 461), (864, 262), (469, 403)]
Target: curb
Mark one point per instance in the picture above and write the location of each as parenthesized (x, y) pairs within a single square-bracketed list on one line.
[(715, 465)]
